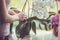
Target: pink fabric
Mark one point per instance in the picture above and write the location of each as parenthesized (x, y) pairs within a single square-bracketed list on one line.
[(55, 19), (57, 0)]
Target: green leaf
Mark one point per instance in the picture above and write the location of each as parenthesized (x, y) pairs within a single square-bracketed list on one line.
[(40, 26), (33, 27), (11, 24), (29, 27), (44, 25), (50, 27)]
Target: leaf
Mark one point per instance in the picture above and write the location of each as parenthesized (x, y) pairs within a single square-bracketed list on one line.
[(17, 29), (40, 26), (49, 27), (29, 27), (24, 30), (44, 25), (33, 27), (11, 24)]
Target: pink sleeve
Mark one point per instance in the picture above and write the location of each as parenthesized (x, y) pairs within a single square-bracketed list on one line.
[(52, 19)]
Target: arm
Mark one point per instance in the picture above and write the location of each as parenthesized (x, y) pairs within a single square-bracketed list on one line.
[(6, 17)]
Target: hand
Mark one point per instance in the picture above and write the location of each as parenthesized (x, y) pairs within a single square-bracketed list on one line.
[(22, 16), (11, 12), (16, 11)]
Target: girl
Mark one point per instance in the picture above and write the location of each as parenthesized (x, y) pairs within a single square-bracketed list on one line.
[(6, 19)]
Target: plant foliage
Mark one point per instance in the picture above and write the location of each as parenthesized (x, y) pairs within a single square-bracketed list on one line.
[(24, 27)]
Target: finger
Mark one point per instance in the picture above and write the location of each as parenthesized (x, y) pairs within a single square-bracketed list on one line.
[(16, 10)]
